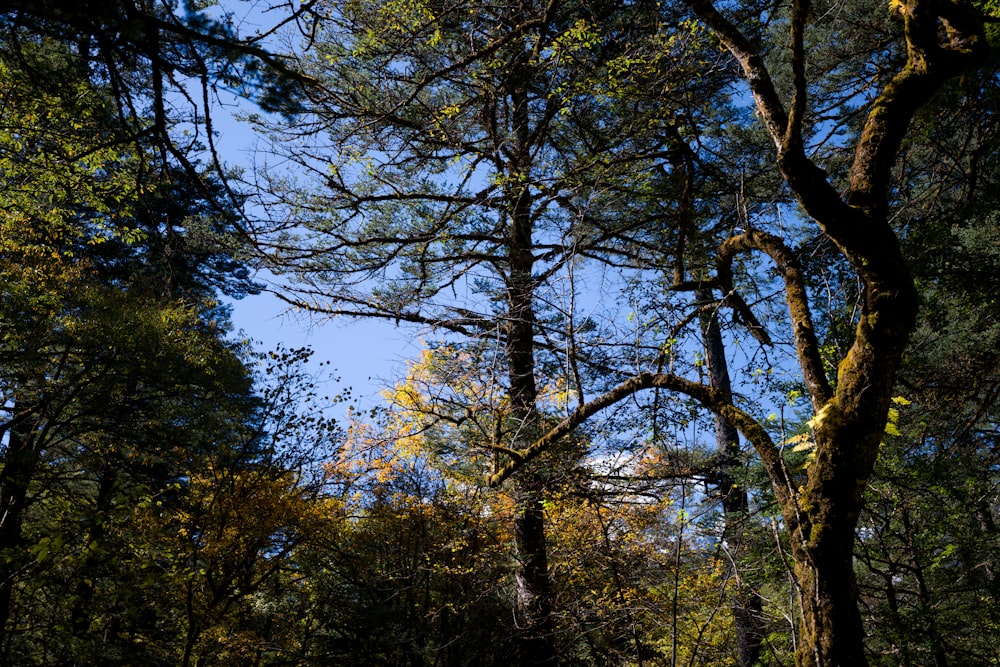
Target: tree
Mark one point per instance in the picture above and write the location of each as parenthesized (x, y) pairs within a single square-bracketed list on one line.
[(88, 425), (162, 65), (406, 92), (413, 566), (466, 160), (49, 173), (112, 335), (734, 495), (223, 537), (820, 514), (134, 434)]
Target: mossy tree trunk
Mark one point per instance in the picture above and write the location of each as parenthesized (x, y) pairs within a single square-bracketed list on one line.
[(942, 39)]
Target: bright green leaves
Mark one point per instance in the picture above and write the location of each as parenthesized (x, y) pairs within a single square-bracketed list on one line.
[(65, 179), (581, 37), (391, 22), (892, 422)]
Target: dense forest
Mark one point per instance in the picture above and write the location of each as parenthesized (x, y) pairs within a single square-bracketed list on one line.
[(710, 371)]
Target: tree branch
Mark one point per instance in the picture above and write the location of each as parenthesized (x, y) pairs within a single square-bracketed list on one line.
[(792, 139), (761, 86), (709, 397), (929, 64), (806, 344)]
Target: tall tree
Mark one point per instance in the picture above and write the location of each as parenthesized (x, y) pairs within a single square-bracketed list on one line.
[(108, 311), (125, 412), (939, 42), (456, 195)]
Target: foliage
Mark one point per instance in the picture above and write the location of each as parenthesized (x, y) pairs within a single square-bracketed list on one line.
[(633, 230), (133, 432)]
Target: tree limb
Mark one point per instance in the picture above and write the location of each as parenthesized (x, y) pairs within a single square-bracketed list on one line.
[(806, 344), (709, 397)]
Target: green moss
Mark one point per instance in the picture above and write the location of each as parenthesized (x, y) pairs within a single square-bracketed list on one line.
[(815, 534)]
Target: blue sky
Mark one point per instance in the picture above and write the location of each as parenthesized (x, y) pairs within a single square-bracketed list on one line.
[(366, 355)]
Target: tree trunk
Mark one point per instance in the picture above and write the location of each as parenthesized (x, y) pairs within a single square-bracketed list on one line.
[(534, 596), (533, 603), (831, 633), (822, 514), (20, 464), (735, 503), (96, 538)]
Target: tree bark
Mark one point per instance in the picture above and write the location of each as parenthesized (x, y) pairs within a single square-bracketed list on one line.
[(534, 596), (20, 465), (533, 583), (831, 632), (735, 503)]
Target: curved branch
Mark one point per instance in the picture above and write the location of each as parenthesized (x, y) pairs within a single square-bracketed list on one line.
[(709, 397), (930, 63), (806, 344), (741, 309), (761, 85)]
